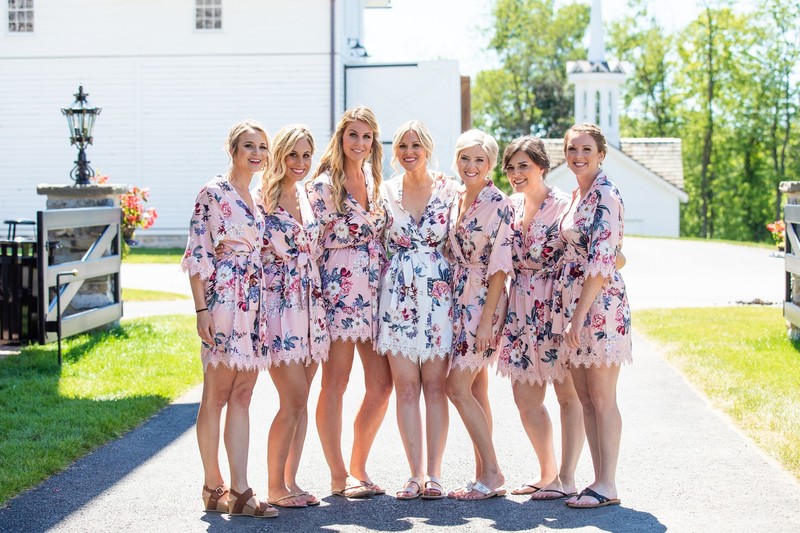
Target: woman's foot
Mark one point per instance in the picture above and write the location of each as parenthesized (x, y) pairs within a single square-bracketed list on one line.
[(411, 490), (246, 504), (555, 490), (528, 488), (433, 489), (485, 488)]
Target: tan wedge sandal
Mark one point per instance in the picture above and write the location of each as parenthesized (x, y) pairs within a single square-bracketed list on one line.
[(213, 499)]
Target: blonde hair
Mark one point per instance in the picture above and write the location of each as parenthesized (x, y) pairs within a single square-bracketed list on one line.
[(425, 139), (283, 144), (472, 138), (593, 130), (239, 129), (332, 161)]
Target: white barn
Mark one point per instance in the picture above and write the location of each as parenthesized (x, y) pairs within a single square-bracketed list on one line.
[(171, 78), (647, 171)]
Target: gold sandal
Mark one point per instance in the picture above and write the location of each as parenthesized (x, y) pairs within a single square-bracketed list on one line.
[(241, 506), (212, 499)]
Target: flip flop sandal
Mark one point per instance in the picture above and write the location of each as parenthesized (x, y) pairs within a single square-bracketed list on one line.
[(409, 493), (602, 501), (279, 502), (525, 489), (241, 506), (375, 488), (551, 494), (310, 499), (213, 499), (356, 492), (433, 489)]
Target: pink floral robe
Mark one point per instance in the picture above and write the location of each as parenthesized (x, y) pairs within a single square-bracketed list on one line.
[(416, 304), (480, 246), (232, 281), (529, 350), (351, 261), (592, 230), (293, 326)]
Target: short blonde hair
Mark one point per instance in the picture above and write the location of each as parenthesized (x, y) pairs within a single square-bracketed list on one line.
[(425, 138), (471, 138)]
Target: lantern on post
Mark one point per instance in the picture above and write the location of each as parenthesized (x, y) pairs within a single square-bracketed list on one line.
[(80, 118)]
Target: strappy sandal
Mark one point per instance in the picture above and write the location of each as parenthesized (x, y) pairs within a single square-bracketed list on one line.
[(433, 489), (241, 505), (212, 499), (410, 493)]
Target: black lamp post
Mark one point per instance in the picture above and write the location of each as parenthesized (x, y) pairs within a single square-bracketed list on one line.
[(81, 123)]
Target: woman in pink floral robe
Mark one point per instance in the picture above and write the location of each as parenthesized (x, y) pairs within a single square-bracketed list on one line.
[(293, 327), (480, 240), (416, 329), (223, 259), (530, 351), (346, 200), (591, 306)]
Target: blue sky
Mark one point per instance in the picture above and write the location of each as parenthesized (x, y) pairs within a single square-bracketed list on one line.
[(453, 29)]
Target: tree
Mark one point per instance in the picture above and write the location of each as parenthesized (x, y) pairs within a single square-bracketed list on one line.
[(529, 94)]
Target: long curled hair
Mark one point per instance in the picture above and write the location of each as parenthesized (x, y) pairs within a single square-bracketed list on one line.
[(237, 130), (332, 160), (282, 146)]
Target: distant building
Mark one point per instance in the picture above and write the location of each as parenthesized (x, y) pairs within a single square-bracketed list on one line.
[(172, 77), (648, 171)]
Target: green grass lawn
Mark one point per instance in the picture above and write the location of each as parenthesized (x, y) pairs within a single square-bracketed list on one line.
[(141, 295), (161, 256), (741, 358), (108, 384)]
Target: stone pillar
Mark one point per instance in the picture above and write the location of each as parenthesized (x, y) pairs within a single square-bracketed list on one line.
[(792, 191), (74, 242)]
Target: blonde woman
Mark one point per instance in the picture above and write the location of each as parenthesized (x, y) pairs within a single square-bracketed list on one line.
[(293, 329), (480, 243), (416, 329), (223, 260), (346, 200)]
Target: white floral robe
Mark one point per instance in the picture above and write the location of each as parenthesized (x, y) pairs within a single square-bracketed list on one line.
[(416, 301)]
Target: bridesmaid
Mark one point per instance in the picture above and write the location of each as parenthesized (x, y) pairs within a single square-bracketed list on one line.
[(530, 353), (416, 329), (225, 287), (480, 240), (591, 304), (346, 200), (293, 329)]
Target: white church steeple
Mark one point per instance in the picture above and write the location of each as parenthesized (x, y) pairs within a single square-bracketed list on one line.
[(597, 82)]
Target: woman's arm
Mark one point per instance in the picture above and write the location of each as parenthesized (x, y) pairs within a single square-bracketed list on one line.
[(205, 325), (484, 333)]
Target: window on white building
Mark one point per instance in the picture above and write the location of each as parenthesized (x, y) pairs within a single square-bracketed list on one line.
[(208, 14), (20, 16)]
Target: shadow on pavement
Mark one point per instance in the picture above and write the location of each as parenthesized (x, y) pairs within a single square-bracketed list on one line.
[(43, 507), (385, 513)]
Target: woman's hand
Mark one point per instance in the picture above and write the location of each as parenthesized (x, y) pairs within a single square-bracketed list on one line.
[(483, 336), (572, 333), (205, 327)]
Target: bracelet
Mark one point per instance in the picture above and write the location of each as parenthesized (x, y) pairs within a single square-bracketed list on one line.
[(201, 310)]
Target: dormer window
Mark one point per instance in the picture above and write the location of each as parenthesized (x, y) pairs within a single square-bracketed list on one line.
[(20, 16), (208, 15)]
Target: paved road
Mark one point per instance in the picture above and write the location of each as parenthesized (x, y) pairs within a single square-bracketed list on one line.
[(683, 466)]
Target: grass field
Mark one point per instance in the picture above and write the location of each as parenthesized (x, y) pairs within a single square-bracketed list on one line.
[(741, 358), (155, 255), (142, 295), (108, 384)]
